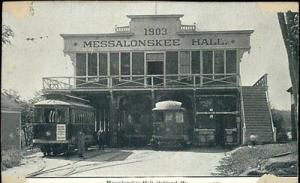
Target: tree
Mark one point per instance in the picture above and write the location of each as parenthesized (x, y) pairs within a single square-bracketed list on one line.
[(289, 25), (7, 33), (278, 123)]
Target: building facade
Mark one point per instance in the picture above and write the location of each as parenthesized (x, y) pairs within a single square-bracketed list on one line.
[(10, 124), (157, 58)]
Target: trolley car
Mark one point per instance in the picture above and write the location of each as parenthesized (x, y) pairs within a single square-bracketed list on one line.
[(58, 120), (169, 126)]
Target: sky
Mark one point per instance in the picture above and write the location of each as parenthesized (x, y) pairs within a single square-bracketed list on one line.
[(24, 62)]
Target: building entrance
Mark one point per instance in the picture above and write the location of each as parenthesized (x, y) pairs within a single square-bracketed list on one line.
[(155, 66)]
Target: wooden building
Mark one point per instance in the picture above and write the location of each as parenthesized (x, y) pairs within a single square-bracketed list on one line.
[(157, 58), (10, 124)]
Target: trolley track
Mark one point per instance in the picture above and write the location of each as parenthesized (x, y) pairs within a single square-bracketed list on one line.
[(43, 169), (72, 168)]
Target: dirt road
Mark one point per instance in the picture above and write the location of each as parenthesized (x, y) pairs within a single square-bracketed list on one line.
[(117, 162)]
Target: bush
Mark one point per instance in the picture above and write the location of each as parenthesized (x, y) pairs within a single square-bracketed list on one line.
[(10, 158)]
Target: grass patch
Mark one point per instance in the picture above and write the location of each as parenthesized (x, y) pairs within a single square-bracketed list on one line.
[(10, 158), (244, 158)]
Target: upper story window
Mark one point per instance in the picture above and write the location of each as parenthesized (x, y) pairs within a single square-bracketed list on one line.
[(155, 57), (137, 63), (92, 64), (125, 63), (81, 64), (185, 62), (219, 62), (196, 64), (231, 61), (114, 63), (207, 62), (102, 64), (172, 62)]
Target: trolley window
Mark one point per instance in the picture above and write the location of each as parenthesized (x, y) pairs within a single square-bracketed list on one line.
[(51, 115), (179, 117)]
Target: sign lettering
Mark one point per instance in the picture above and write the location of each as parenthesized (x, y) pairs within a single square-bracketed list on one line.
[(131, 43), (60, 132), (205, 41)]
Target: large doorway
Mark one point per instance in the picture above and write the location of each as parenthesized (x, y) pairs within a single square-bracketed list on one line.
[(155, 67)]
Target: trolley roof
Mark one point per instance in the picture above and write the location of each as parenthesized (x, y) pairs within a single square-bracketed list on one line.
[(168, 105), (50, 102)]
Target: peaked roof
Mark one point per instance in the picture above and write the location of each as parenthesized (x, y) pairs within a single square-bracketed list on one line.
[(9, 104)]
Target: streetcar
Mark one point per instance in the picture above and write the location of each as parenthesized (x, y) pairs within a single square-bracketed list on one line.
[(57, 121), (170, 125)]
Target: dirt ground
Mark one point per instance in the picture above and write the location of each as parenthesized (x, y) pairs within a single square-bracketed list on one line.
[(278, 159), (122, 162)]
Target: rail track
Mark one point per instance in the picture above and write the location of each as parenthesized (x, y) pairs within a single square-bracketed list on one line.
[(72, 168)]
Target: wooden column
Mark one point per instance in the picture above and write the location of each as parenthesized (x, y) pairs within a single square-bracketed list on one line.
[(153, 98), (194, 113), (113, 119)]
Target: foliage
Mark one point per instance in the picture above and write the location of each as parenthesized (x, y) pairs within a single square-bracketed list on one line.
[(10, 158), (278, 121), (289, 25), (7, 33)]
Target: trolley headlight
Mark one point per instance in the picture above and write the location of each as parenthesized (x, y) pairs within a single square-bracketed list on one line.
[(48, 133)]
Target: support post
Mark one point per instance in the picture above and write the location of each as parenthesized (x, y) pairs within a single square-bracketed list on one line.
[(113, 118)]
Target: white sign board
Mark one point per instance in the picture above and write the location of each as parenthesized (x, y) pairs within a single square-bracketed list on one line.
[(60, 132)]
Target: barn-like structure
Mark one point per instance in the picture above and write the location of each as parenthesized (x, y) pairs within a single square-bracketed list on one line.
[(10, 124), (157, 58)]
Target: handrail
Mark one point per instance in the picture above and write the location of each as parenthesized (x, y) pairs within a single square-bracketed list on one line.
[(243, 118), (122, 29), (141, 81), (262, 81), (271, 117), (188, 27)]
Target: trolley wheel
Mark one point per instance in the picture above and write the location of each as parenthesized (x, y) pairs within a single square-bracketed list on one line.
[(46, 150)]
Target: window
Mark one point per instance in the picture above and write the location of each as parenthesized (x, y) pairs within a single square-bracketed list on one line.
[(80, 64), (219, 61), (39, 115), (125, 63), (184, 62), (52, 115), (169, 116), (172, 62), (155, 56), (230, 61), (196, 62), (137, 63), (179, 117), (207, 62), (102, 64), (114, 63), (92, 64)]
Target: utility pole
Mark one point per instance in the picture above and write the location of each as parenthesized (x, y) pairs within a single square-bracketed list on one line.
[(155, 7)]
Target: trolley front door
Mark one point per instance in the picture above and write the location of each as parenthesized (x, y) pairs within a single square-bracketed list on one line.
[(155, 62)]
